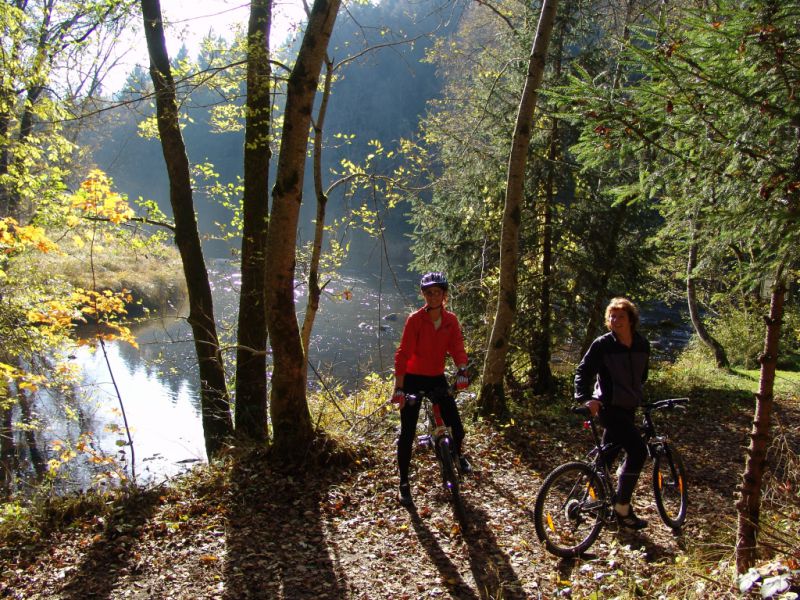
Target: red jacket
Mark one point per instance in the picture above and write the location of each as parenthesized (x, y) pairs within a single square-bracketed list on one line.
[(423, 348)]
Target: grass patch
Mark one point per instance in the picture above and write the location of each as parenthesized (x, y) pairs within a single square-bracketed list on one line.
[(152, 271)]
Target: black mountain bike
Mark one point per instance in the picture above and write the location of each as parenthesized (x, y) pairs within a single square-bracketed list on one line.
[(439, 437), (577, 498)]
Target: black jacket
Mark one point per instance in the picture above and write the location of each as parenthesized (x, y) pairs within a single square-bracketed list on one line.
[(613, 373)]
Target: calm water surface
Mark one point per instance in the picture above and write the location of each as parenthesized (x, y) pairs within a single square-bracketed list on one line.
[(355, 332)]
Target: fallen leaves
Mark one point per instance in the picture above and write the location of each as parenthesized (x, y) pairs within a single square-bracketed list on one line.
[(245, 530)]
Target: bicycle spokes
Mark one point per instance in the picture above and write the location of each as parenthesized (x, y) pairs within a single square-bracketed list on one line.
[(569, 508)]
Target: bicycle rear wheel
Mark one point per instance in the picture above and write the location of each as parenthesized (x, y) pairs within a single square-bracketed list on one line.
[(669, 486), (569, 509)]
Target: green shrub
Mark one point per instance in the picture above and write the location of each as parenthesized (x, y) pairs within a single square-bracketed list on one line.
[(741, 333)]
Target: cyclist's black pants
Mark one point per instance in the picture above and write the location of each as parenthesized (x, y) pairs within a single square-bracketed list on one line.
[(409, 415), (620, 428)]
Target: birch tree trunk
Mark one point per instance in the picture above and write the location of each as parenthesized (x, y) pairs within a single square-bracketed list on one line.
[(492, 397), (214, 404), (251, 351), (291, 421)]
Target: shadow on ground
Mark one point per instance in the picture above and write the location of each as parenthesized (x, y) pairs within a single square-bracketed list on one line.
[(276, 543)]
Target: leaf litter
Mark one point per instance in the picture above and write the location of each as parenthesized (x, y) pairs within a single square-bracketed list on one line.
[(244, 528)]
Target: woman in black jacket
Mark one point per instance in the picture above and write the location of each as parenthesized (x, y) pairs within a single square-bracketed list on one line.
[(609, 380)]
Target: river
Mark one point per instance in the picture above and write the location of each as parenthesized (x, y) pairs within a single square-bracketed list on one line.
[(355, 332)]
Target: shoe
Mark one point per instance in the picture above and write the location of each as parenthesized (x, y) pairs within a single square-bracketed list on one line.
[(463, 465), (405, 495), (631, 521)]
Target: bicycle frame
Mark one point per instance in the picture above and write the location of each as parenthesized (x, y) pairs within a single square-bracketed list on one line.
[(440, 437), (436, 428), (598, 456)]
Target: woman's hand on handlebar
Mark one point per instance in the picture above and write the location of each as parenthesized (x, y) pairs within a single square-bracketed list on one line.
[(593, 406), (399, 398)]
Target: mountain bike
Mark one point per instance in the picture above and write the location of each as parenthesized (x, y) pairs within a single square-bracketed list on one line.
[(439, 437), (576, 499)]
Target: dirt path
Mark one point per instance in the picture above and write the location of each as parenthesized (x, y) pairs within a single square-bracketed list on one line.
[(248, 531)]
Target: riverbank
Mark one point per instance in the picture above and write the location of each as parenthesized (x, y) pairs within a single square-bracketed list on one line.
[(245, 527), (152, 273)]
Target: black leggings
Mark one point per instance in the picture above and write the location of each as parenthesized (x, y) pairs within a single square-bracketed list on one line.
[(620, 428), (409, 415)]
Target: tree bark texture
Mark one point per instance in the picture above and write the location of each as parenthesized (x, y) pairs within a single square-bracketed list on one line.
[(720, 357), (314, 289), (748, 505), (215, 408), (291, 420), (492, 397), (250, 414)]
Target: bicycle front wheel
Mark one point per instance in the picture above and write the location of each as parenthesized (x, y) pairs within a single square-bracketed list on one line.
[(669, 486), (569, 509), (450, 477)]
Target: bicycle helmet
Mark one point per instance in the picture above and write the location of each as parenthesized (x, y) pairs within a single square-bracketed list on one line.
[(432, 279)]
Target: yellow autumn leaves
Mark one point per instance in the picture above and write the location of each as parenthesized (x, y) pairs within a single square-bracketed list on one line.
[(96, 199)]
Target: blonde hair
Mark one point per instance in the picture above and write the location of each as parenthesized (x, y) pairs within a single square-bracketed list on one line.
[(626, 305)]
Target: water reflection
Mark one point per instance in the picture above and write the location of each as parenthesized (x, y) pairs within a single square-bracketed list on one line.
[(355, 332)]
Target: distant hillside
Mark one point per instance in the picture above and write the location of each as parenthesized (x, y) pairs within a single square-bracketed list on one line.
[(381, 95)]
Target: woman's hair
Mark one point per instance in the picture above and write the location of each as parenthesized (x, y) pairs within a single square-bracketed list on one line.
[(628, 306)]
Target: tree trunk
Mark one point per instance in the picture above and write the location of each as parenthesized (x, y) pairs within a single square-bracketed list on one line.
[(601, 293), (291, 421), (748, 505), (251, 350), (314, 289), (691, 297), (8, 452), (39, 66), (5, 158), (543, 375), (492, 397), (214, 403)]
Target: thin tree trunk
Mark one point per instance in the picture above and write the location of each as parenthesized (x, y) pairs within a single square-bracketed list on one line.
[(8, 452), (215, 408), (601, 293), (40, 65), (251, 351), (543, 376), (694, 313), (748, 505), (291, 420), (5, 158), (492, 397), (314, 289)]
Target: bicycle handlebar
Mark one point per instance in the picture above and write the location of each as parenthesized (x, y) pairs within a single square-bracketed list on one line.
[(668, 403), (433, 395)]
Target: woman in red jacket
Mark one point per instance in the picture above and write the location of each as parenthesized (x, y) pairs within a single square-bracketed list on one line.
[(430, 334)]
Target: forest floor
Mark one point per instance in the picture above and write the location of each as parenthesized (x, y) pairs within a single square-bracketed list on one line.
[(245, 529)]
